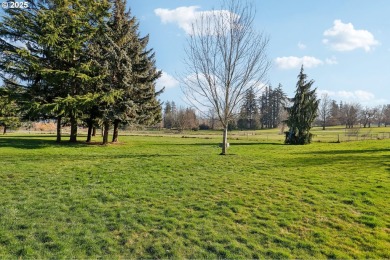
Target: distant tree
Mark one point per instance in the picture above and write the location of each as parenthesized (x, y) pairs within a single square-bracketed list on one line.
[(272, 103), (334, 118), (168, 117), (186, 119), (350, 114), (225, 57), (302, 113), (386, 115), (325, 109), (367, 115), (249, 114)]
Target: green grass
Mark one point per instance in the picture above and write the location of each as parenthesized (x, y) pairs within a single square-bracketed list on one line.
[(169, 197)]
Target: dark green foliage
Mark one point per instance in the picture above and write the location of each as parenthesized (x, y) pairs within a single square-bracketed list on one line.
[(302, 113), (45, 48), (74, 61), (272, 103), (121, 56), (9, 109), (249, 114)]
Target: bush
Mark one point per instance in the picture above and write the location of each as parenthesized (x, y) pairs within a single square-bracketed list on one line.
[(204, 127)]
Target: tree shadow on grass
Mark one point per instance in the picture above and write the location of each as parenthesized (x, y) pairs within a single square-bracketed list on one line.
[(347, 157), (215, 144), (34, 142)]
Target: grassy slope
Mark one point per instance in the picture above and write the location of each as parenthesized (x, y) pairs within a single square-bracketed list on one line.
[(159, 197)]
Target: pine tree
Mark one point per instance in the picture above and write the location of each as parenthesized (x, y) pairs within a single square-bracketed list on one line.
[(303, 112)]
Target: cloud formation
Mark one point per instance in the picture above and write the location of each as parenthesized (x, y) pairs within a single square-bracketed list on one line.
[(166, 81), (344, 37), (350, 96), (185, 16), (292, 62)]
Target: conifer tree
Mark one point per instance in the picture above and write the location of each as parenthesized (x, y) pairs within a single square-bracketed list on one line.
[(302, 113), (129, 67), (249, 114), (52, 61)]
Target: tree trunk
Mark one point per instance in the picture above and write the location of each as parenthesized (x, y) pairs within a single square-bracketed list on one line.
[(105, 132), (73, 129), (5, 129), (59, 119), (224, 141), (94, 131), (116, 131), (89, 136)]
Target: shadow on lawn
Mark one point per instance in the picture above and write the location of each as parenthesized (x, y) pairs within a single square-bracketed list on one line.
[(217, 144), (33, 142), (348, 157)]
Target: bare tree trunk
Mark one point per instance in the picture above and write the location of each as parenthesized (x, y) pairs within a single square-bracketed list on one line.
[(105, 132), (5, 129), (224, 141), (73, 129), (116, 131), (59, 119), (94, 131)]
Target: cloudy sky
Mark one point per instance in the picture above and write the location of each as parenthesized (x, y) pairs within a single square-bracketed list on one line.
[(344, 45)]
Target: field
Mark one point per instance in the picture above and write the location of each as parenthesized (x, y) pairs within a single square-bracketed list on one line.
[(165, 196)]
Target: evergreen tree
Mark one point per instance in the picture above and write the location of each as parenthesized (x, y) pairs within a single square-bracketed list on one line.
[(52, 63), (9, 109), (128, 67), (249, 114), (272, 103), (302, 113)]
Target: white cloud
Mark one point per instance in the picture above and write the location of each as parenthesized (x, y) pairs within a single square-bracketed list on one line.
[(293, 62), (167, 81), (350, 96), (344, 37), (185, 16), (301, 46), (321, 92)]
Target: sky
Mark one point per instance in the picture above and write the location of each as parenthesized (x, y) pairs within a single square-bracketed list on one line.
[(344, 45)]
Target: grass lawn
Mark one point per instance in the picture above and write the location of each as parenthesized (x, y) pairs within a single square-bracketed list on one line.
[(169, 197)]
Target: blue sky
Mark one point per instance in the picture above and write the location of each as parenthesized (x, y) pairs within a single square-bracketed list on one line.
[(343, 44)]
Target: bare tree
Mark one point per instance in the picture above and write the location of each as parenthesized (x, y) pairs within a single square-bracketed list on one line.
[(367, 115), (350, 114), (386, 115), (225, 56), (324, 110)]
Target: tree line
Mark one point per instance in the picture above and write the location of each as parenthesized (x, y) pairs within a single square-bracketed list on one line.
[(332, 113), (79, 62)]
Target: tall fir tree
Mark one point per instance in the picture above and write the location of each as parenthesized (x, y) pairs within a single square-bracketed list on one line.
[(272, 103), (52, 61), (129, 72), (303, 112), (249, 114)]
